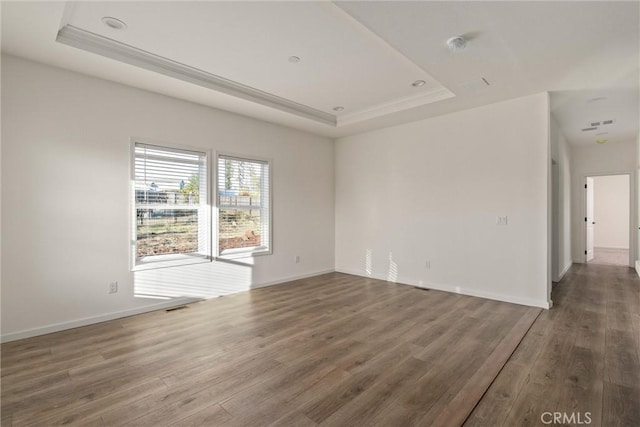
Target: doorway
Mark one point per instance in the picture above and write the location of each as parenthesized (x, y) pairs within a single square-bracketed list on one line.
[(607, 219)]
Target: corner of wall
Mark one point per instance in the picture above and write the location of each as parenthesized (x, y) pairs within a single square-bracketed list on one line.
[(549, 199), (637, 204)]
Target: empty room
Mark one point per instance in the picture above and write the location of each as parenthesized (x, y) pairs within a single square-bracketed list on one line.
[(608, 214), (320, 213)]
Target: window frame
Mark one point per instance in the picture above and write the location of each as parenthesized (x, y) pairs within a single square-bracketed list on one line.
[(241, 252), (168, 260)]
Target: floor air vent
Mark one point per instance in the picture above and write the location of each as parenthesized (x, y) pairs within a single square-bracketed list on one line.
[(176, 308)]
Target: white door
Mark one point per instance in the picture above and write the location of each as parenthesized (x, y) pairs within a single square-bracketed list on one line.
[(589, 220)]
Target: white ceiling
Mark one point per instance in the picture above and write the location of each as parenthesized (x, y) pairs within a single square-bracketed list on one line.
[(360, 55), (250, 43)]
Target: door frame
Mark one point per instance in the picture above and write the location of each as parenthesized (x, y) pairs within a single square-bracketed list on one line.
[(632, 212), (587, 218)]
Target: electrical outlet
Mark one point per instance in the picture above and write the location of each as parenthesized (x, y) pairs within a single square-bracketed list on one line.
[(297, 259), (427, 264), (501, 220), (113, 287)]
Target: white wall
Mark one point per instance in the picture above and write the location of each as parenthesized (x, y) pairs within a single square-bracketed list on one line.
[(637, 205), (597, 160), (65, 198), (432, 190), (611, 215), (561, 154)]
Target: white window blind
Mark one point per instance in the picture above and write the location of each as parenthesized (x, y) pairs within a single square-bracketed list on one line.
[(172, 214), (243, 201)]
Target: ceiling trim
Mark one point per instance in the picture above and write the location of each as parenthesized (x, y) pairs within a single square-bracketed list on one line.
[(395, 105), (95, 43)]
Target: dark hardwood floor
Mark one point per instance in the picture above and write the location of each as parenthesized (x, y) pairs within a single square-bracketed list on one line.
[(341, 350)]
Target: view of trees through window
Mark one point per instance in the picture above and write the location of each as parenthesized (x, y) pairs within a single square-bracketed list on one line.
[(172, 208), (241, 203), (168, 184)]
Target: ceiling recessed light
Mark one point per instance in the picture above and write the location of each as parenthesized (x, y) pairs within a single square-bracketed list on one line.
[(456, 44), (294, 59), (601, 141), (418, 83), (114, 23), (338, 108)]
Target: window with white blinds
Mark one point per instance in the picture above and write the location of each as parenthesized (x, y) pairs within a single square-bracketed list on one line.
[(244, 206), (171, 207)]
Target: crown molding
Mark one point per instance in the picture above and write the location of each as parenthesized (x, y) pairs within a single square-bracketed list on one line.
[(395, 105), (104, 46), (95, 43)]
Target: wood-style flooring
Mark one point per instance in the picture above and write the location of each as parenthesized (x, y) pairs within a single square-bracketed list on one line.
[(581, 356), (610, 256), (334, 350), (340, 350)]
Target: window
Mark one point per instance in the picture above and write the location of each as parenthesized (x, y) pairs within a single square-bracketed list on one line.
[(244, 206), (171, 207)]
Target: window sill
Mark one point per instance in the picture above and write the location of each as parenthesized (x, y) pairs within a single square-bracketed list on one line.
[(166, 261), (244, 253)]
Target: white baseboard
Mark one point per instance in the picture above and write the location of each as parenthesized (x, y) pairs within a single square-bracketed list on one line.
[(638, 268), (57, 327), (13, 336), (564, 271), (579, 261), (457, 290)]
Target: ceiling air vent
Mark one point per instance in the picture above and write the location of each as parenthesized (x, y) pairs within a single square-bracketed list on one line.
[(594, 124), (588, 129), (608, 122)]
